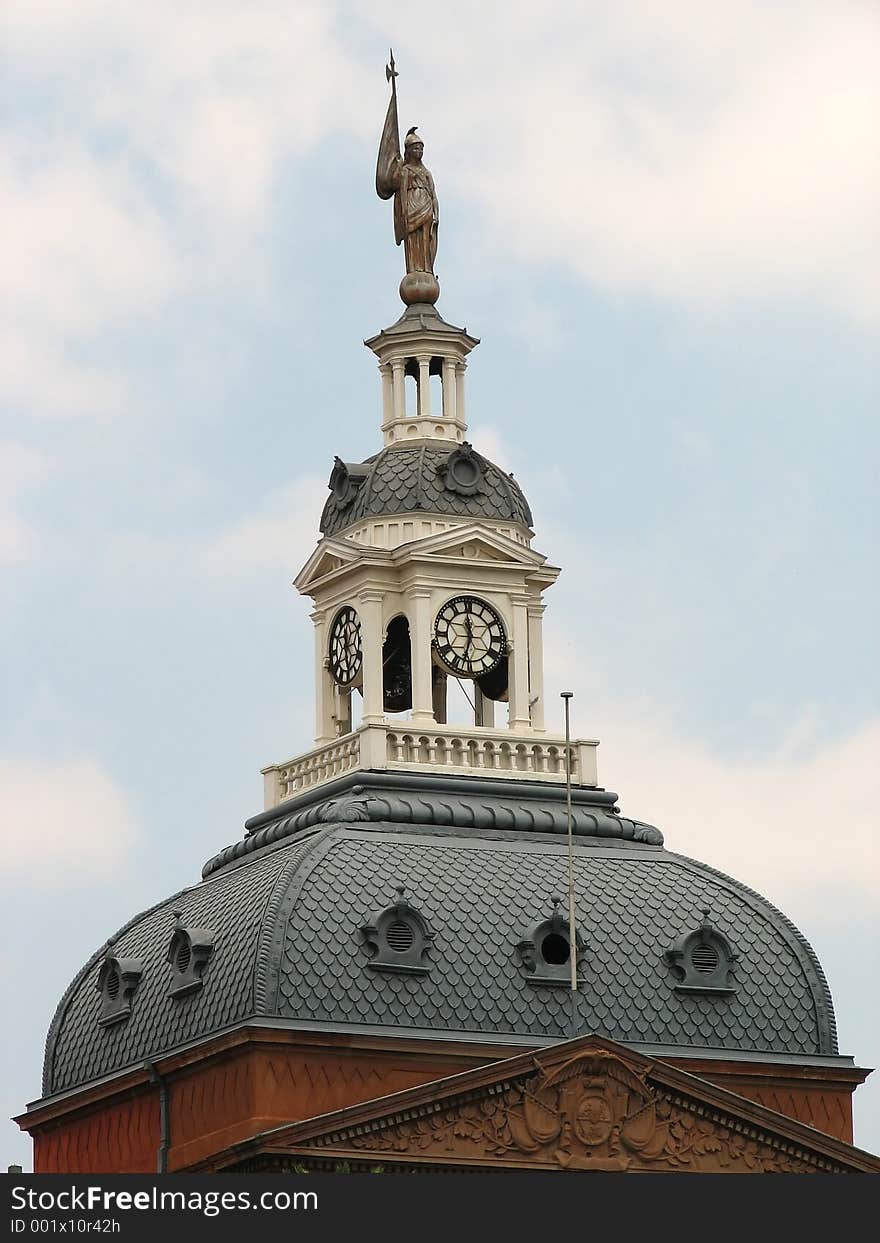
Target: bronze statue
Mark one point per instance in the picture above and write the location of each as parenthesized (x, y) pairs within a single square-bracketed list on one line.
[(416, 213)]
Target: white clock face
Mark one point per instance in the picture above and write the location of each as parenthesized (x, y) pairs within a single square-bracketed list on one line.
[(469, 636)]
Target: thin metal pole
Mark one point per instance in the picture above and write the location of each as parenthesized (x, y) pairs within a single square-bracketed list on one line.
[(572, 931)]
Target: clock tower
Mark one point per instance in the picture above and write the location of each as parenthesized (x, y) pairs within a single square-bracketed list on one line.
[(425, 576)]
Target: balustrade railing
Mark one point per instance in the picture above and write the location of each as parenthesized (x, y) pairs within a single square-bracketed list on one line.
[(439, 748)]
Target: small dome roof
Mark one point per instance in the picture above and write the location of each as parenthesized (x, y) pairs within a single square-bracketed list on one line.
[(430, 477), (288, 905)]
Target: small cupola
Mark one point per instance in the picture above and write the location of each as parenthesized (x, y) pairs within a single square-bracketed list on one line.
[(545, 950), (117, 983), (702, 960), (189, 953), (419, 347), (399, 938)]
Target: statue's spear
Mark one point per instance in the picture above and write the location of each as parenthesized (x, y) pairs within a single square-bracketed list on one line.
[(391, 72), (389, 144)]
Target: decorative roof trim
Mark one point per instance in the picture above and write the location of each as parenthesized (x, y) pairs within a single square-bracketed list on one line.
[(477, 803), (283, 899)]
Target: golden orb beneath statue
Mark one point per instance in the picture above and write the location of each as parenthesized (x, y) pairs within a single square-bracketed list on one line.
[(419, 287)]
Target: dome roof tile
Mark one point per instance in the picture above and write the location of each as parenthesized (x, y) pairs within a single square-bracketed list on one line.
[(288, 945), (410, 478)]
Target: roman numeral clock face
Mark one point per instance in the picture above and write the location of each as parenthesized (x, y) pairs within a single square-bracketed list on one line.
[(345, 654), (469, 637)]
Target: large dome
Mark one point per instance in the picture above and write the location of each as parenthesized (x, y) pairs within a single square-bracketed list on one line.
[(288, 907), (431, 477)]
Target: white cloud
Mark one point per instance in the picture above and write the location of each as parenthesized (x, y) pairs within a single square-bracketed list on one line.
[(797, 822), (703, 154), (792, 826), (22, 467), (168, 127), (489, 441), (280, 534), (275, 537), (64, 821)]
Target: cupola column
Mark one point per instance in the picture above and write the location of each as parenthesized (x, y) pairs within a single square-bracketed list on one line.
[(520, 721), (398, 384), (387, 393), (536, 665), (420, 635), (324, 729), (420, 345), (449, 388), (372, 636), (424, 361), (459, 392)]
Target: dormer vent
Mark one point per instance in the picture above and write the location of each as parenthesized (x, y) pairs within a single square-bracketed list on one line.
[(462, 471), (345, 479), (545, 951), (117, 982), (189, 953), (702, 960), (399, 938)]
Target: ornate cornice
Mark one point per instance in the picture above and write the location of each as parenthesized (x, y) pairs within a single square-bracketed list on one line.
[(463, 803)]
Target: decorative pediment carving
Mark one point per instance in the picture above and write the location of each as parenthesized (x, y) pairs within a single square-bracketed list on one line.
[(593, 1112)]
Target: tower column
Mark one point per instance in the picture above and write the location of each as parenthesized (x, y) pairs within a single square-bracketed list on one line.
[(398, 387), (420, 649), (370, 613), (484, 709), (424, 361), (536, 664), (520, 721), (324, 685)]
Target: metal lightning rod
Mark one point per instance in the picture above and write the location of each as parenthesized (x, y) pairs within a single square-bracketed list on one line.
[(566, 697)]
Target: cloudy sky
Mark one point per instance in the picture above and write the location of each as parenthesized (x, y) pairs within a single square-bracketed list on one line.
[(662, 219)]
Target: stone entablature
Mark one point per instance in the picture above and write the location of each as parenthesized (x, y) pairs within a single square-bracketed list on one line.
[(441, 749), (405, 528)]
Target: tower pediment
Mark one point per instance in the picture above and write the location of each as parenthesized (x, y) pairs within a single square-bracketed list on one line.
[(472, 542), (331, 557)]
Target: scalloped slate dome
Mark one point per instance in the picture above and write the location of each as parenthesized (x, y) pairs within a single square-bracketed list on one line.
[(287, 906), (412, 479)]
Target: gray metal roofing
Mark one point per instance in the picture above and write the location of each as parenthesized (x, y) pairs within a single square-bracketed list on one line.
[(405, 479), (288, 945)]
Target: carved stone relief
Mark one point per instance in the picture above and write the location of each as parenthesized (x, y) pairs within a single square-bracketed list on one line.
[(592, 1113)]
